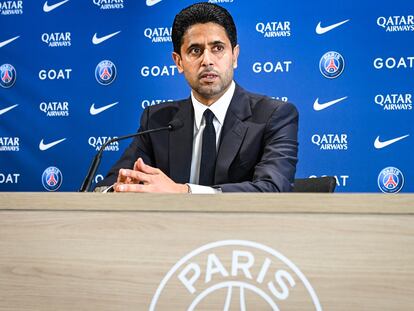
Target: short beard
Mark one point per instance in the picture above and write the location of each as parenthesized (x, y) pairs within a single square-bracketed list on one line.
[(210, 91)]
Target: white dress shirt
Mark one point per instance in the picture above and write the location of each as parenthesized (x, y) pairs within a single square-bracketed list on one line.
[(219, 109)]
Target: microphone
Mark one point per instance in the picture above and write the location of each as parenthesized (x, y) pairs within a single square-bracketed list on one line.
[(173, 125)]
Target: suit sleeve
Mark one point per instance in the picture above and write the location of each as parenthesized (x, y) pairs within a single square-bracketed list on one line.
[(140, 147), (276, 168)]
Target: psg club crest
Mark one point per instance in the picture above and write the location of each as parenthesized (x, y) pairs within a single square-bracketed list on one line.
[(52, 178), (7, 75), (331, 65), (105, 72), (390, 180), (233, 274)]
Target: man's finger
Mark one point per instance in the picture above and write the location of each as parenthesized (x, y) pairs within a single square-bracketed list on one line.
[(141, 166), (136, 168), (136, 176), (130, 188), (121, 178)]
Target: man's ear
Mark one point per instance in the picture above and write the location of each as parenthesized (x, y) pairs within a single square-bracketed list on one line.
[(178, 62), (236, 52)]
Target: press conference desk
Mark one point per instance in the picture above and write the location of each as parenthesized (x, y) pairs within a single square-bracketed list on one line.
[(89, 251)]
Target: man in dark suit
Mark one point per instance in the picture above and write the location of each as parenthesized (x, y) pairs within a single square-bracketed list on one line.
[(229, 140)]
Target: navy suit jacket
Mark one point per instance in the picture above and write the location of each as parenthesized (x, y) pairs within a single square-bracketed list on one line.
[(257, 150)]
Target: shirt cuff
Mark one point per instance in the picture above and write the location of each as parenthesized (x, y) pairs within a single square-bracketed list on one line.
[(197, 189)]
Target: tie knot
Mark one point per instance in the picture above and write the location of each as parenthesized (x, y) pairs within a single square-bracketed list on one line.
[(209, 116)]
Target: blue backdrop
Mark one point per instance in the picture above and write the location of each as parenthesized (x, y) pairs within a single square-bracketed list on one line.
[(55, 113)]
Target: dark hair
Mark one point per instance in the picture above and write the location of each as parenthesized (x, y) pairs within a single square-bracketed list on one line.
[(202, 13)]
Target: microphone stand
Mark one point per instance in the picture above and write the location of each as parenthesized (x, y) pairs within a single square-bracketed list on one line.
[(97, 159)]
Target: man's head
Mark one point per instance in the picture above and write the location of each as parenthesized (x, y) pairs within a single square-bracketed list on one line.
[(205, 49), (202, 13)]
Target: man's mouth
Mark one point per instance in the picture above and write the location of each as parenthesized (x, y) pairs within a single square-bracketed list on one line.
[(208, 76)]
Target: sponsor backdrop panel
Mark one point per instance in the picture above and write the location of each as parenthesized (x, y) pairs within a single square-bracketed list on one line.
[(74, 74)]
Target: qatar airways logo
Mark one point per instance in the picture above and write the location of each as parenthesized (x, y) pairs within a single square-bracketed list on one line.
[(396, 23), (9, 144), (158, 71), (272, 67), (154, 2), (220, 1), (109, 4), (237, 274), (11, 7), (55, 108), (331, 141), (158, 35), (274, 29), (98, 142), (394, 63), (394, 101), (57, 39), (152, 102)]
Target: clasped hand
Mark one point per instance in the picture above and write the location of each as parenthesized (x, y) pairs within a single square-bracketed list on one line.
[(145, 178)]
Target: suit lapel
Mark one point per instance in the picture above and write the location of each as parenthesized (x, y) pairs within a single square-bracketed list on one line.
[(181, 144), (233, 133)]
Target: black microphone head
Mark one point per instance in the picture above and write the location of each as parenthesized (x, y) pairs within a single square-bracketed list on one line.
[(175, 124)]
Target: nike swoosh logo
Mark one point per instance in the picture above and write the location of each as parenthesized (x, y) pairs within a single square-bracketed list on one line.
[(96, 40), (152, 2), (47, 8), (7, 109), (94, 111), (321, 30), (43, 146), (4, 43), (382, 144), (317, 106)]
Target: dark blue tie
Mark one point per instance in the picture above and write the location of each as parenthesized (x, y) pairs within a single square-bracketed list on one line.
[(208, 151)]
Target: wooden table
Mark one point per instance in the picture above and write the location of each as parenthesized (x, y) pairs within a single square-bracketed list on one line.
[(93, 251)]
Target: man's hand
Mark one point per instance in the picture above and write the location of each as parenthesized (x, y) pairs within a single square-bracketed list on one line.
[(145, 178)]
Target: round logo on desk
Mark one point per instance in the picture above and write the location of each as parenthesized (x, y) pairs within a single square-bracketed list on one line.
[(390, 180), (235, 274), (52, 178)]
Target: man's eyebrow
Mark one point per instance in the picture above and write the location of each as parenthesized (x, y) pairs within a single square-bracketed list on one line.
[(216, 42), (201, 45), (195, 44)]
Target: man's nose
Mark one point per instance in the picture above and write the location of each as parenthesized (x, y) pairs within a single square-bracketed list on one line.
[(207, 58)]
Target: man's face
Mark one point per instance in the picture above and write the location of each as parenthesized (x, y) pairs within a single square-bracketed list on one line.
[(207, 61)]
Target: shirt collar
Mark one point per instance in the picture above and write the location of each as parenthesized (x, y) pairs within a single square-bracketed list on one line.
[(219, 108)]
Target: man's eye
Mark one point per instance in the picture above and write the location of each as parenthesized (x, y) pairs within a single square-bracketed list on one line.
[(195, 51), (218, 48)]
